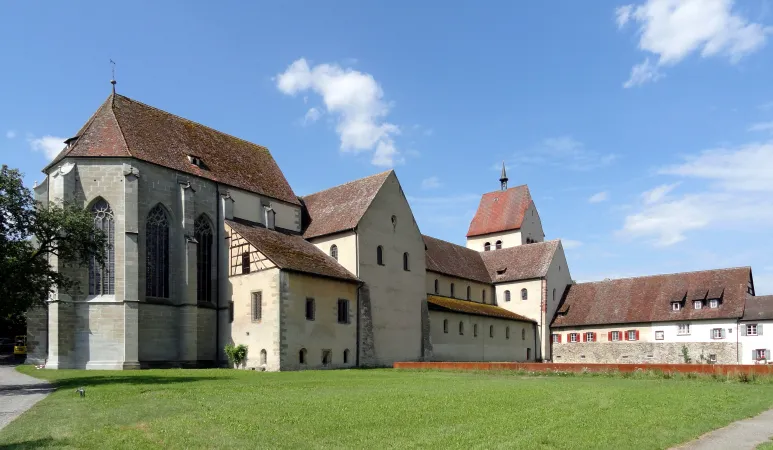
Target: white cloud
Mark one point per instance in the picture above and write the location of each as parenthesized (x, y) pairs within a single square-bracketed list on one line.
[(357, 101), (570, 243), (658, 193), (674, 29), (762, 126), (599, 197), (563, 151), (737, 195), (10, 134), (431, 183), (312, 115), (48, 145)]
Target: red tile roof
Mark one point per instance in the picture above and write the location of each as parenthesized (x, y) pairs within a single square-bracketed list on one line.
[(521, 262), (500, 211), (648, 299), (438, 303), (291, 252), (340, 208), (455, 260), (123, 127), (759, 308)]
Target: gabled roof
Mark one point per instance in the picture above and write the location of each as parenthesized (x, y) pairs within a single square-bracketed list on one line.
[(455, 260), (340, 208), (438, 303), (291, 252), (123, 127), (648, 299), (521, 262), (500, 211), (759, 308)]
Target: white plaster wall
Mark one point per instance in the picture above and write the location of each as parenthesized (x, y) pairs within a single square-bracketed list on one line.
[(528, 308), (260, 335), (347, 248), (249, 206), (700, 331), (396, 295), (750, 343), (511, 238), (460, 287), (287, 216), (322, 333), (532, 225), (557, 278), (453, 346)]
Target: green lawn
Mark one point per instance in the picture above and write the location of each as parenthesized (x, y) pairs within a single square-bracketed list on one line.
[(375, 408)]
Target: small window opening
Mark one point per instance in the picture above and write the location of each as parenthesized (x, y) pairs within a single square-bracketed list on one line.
[(334, 251), (245, 262)]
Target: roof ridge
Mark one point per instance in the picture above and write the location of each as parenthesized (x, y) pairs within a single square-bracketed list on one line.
[(192, 121), (665, 274), (350, 182), (118, 122), (514, 187)]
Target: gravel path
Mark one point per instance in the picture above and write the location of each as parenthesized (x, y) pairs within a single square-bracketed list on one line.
[(18, 392), (741, 435)]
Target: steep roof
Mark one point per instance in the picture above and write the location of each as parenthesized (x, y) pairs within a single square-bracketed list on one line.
[(438, 303), (291, 252), (648, 299), (521, 262), (455, 260), (500, 211), (759, 308), (340, 208), (123, 127)]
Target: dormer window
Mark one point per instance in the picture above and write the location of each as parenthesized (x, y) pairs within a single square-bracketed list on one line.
[(270, 218), (714, 303), (501, 271), (697, 304), (196, 161), (71, 141), (676, 306)]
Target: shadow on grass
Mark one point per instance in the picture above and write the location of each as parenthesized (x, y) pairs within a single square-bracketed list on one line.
[(101, 380), (25, 389), (36, 443)]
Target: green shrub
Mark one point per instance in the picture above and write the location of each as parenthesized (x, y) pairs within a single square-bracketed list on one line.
[(237, 354)]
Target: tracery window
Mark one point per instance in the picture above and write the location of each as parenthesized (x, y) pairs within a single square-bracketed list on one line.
[(102, 276), (157, 253), (202, 230)]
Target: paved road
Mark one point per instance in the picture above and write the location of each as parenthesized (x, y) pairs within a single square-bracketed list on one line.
[(18, 392), (741, 435)]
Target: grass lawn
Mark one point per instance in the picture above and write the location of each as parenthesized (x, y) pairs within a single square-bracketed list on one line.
[(375, 408)]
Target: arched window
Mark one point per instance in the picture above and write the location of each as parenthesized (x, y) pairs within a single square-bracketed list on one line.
[(499, 245), (157, 253), (102, 276), (437, 287), (483, 295), (302, 356), (507, 333), (487, 246), (491, 331), (445, 326), (334, 251), (263, 357), (406, 267), (246, 262), (469, 293), (346, 356), (507, 296), (380, 255), (523, 334), (202, 230), (524, 294), (475, 330), (452, 289), (461, 328)]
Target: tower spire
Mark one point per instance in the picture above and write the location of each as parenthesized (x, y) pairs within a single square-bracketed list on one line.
[(503, 177), (112, 79)]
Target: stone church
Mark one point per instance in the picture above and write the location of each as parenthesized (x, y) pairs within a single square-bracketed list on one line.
[(209, 245)]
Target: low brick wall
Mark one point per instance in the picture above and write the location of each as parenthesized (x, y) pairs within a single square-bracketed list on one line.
[(558, 367)]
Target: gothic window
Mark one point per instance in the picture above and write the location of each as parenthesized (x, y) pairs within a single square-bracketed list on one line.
[(334, 251), (102, 276), (157, 254), (498, 245), (524, 294), (487, 246), (202, 229), (406, 267), (380, 255)]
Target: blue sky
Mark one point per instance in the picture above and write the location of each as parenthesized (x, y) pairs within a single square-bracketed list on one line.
[(644, 130)]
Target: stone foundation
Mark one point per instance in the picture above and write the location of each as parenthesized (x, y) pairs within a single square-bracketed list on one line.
[(643, 352)]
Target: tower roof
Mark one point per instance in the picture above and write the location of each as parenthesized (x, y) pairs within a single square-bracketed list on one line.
[(123, 127), (500, 211)]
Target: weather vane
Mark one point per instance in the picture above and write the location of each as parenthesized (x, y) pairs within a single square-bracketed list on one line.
[(112, 80)]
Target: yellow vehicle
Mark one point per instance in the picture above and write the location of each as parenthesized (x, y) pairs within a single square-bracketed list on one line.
[(20, 346)]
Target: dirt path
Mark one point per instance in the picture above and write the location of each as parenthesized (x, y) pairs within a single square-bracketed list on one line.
[(741, 435)]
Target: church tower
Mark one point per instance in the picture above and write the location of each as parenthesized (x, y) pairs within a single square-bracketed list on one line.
[(503, 177)]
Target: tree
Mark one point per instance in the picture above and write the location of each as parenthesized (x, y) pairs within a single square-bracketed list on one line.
[(29, 235)]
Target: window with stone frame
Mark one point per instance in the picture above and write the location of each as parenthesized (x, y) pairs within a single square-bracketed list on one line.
[(256, 306), (475, 330), (590, 336), (334, 251), (343, 311), (263, 357), (157, 253), (507, 296), (524, 294), (327, 357), (523, 334), (204, 234), (102, 276), (346, 356), (712, 358)]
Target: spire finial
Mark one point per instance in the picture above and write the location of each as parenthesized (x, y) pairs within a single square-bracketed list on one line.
[(503, 177), (112, 80)]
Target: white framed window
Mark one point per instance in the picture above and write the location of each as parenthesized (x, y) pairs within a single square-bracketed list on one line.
[(590, 336), (659, 335), (697, 304), (761, 353), (751, 329), (684, 329), (574, 337), (556, 338), (617, 336), (717, 333), (714, 303), (676, 306), (633, 335)]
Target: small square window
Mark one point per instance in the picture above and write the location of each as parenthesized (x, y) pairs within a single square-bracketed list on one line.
[(684, 329), (574, 337), (659, 335), (590, 336), (632, 335), (713, 303), (751, 329), (717, 333), (698, 304), (617, 336), (712, 358), (676, 306)]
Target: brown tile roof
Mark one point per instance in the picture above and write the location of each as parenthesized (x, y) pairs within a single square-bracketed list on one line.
[(291, 252), (123, 127), (758, 308), (521, 262), (648, 299), (500, 211), (340, 208), (438, 303), (455, 260)]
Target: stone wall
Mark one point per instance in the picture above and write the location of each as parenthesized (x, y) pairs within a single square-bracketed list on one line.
[(158, 332), (642, 352), (37, 335)]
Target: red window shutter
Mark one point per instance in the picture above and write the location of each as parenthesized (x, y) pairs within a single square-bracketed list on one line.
[(595, 338), (609, 336), (559, 338), (637, 335), (583, 337)]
